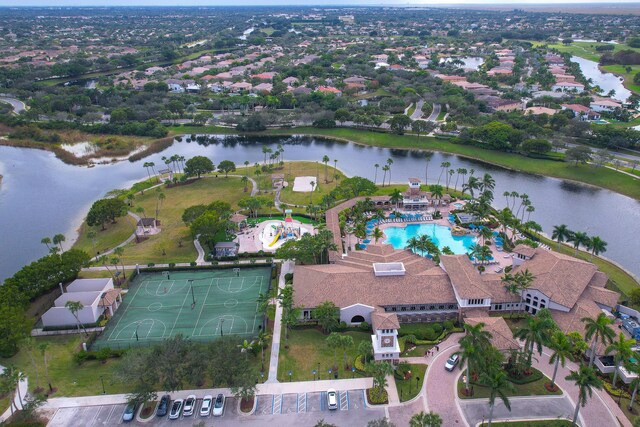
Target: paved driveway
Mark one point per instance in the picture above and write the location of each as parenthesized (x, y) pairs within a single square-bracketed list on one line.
[(477, 410)]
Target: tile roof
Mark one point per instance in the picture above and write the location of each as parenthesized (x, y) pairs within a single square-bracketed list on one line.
[(501, 335), (464, 276), (382, 320)]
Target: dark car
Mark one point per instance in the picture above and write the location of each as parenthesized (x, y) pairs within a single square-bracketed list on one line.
[(163, 406)]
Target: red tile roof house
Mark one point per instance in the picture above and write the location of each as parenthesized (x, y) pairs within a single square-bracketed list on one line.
[(386, 287), (264, 76), (329, 89)]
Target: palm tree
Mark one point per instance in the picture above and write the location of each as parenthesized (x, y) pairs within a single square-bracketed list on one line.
[(634, 368), (395, 197), (74, 307), (58, 239), (375, 177), (595, 330), (444, 166), (437, 191), (506, 195), (46, 241), (535, 334), (147, 165), (412, 244), (488, 183), (586, 380), (560, 234), (485, 233), (92, 236), (245, 181), (514, 196), (263, 339), (120, 251), (346, 342), (523, 279), (377, 234), (313, 184), (325, 160), (246, 347), (578, 239), (473, 344), (597, 246), (510, 285), (497, 380), (389, 163), (562, 349), (103, 260), (422, 419), (43, 346), (427, 157), (385, 169), (623, 352), (472, 184), (334, 341)]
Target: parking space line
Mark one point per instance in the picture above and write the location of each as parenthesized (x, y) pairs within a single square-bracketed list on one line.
[(344, 403), (302, 403), (277, 402), (348, 402), (273, 403), (364, 398), (323, 398), (113, 408)]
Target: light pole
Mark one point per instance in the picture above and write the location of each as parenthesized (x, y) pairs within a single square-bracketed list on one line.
[(290, 374), (330, 373), (262, 376), (353, 372), (221, 325), (137, 326), (102, 381), (314, 374), (192, 295), (318, 370)]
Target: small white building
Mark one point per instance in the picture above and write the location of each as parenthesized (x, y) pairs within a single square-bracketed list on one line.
[(98, 297), (604, 105), (568, 87), (385, 336)]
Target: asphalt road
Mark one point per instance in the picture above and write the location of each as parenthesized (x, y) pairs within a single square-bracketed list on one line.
[(18, 106), (434, 113), (287, 410)]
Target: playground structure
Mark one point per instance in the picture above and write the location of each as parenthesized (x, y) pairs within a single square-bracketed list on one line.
[(275, 233)]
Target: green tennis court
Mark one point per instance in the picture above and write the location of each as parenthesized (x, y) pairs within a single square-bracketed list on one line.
[(199, 304)]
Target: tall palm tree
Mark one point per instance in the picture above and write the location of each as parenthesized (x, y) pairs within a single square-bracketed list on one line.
[(427, 157), (375, 177), (487, 183), (146, 166), (473, 183), (46, 241), (325, 160), (444, 166), (334, 340), (473, 344), (58, 239), (263, 339), (385, 169), (510, 285), (586, 380), (597, 246), (562, 349), (468, 357), (622, 352), (561, 233), (455, 186), (74, 307), (413, 244), (437, 191), (246, 347), (535, 334), (389, 163), (506, 195), (313, 184), (595, 330), (377, 234), (463, 172), (245, 181), (497, 381), (578, 239), (634, 367), (395, 197), (119, 251)]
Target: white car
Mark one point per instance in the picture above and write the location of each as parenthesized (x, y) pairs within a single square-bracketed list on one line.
[(332, 399), (189, 405), (451, 362), (176, 408), (205, 409), (218, 407)]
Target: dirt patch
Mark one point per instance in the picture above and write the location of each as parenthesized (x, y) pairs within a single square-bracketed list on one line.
[(246, 405)]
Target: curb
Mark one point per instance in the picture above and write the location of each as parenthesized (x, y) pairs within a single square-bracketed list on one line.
[(146, 420), (253, 409)]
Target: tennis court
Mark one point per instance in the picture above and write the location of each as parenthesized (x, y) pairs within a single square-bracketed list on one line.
[(199, 304)]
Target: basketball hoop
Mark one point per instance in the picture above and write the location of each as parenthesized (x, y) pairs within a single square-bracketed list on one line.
[(237, 271)]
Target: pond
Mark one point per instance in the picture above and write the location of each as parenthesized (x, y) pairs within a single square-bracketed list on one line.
[(470, 62), (606, 81), (41, 196)]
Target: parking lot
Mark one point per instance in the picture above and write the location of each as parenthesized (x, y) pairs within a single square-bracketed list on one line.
[(286, 409)]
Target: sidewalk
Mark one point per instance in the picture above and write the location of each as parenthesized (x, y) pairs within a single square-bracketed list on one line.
[(287, 267), (23, 389)]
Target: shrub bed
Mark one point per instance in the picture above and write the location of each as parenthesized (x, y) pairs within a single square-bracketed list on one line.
[(534, 376), (377, 396)]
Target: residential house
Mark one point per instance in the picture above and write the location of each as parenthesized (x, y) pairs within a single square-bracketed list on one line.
[(567, 86)]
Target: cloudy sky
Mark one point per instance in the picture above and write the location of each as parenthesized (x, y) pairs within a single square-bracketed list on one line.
[(281, 2)]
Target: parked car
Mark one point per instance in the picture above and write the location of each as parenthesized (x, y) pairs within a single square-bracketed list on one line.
[(205, 409), (129, 412), (189, 405), (176, 408), (332, 399), (218, 407), (452, 362), (163, 406)]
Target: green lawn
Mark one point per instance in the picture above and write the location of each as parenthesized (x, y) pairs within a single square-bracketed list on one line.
[(112, 236), (408, 389), (67, 376), (174, 239), (412, 110), (535, 388), (441, 116), (542, 423), (628, 76), (306, 350)]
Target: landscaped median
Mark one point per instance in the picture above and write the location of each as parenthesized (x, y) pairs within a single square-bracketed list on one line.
[(409, 379), (530, 385), (537, 423)]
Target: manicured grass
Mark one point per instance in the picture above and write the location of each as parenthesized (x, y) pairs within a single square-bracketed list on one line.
[(66, 375), (541, 423), (306, 349), (323, 187), (418, 351), (535, 388), (600, 177), (412, 110), (174, 238), (408, 389), (441, 115), (99, 274), (621, 70), (106, 239)]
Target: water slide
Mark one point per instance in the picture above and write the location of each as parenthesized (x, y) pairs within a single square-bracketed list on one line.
[(278, 235)]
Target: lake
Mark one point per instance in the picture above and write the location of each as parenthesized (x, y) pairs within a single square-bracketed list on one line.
[(606, 81), (41, 196)]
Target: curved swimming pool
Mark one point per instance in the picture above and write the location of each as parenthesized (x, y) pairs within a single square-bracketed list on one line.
[(441, 236)]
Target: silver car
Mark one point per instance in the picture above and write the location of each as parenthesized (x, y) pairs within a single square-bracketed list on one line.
[(218, 407), (205, 409), (332, 399), (176, 408), (189, 405)]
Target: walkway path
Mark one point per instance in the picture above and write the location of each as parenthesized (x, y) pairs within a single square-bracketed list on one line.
[(417, 114), (23, 389), (434, 113), (196, 243), (287, 267), (17, 105), (126, 242)]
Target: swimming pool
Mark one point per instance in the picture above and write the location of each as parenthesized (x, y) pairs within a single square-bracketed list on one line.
[(441, 236)]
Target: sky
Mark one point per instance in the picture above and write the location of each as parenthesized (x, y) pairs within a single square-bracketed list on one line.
[(57, 3)]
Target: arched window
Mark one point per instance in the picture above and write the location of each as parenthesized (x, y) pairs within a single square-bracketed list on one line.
[(357, 319)]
